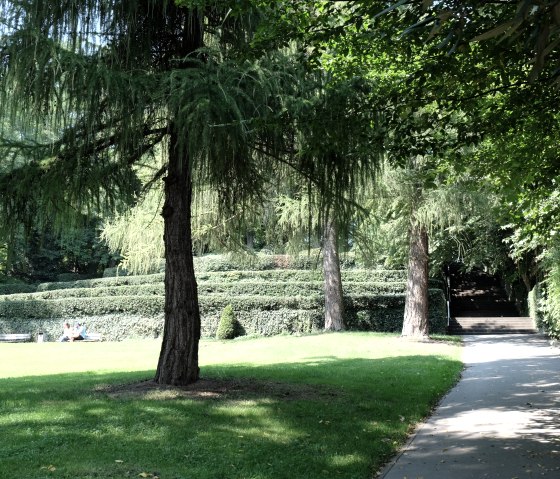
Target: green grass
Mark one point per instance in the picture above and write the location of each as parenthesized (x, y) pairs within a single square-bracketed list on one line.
[(335, 405)]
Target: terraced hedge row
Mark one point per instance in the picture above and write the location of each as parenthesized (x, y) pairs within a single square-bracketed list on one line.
[(17, 288), (380, 276), (266, 288), (265, 302)]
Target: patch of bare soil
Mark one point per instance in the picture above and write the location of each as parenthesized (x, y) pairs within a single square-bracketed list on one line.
[(237, 389)]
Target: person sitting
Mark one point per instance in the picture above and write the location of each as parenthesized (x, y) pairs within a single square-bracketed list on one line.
[(67, 333), (79, 332)]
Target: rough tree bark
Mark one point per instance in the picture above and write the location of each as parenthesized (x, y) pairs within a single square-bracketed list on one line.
[(415, 323), (178, 360), (334, 305)]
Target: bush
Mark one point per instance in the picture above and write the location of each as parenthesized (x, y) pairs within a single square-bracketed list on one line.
[(384, 312), (356, 275), (234, 276), (103, 282), (265, 302), (150, 289), (113, 327), (16, 288), (228, 328)]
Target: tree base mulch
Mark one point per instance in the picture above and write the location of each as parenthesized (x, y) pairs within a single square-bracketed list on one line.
[(207, 388)]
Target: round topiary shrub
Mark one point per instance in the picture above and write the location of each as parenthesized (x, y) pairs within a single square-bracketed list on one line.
[(228, 327)]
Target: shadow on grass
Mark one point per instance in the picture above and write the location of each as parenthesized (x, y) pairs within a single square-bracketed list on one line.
[(353, 417)]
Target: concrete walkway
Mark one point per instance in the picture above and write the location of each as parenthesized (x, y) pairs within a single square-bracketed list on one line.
[(502, 420)]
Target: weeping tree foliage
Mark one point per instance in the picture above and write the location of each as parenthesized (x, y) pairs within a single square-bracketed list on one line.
[(137, 234), (333, 129), (116, 80), (113, 81)]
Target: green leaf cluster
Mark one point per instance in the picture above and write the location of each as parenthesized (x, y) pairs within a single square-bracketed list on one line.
[(228, 327)]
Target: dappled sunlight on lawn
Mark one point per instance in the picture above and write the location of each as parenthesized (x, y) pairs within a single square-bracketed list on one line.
[(333, 405)]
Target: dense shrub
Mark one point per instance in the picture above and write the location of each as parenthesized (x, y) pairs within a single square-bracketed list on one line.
[(385, 312), (150, 289), (265, 302), (114, 327), (265, 315), (303, 275), (17, 288), (103, 282), (228, 327)]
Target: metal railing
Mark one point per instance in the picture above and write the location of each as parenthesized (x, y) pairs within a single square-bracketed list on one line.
[(447, 293)]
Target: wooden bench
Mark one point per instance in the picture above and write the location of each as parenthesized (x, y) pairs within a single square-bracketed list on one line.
[(91, 337), (15, 337)]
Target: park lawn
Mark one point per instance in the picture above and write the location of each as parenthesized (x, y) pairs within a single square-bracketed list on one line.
[(330, 405)]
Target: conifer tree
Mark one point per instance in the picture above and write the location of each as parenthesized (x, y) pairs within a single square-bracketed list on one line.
[(113, 80)]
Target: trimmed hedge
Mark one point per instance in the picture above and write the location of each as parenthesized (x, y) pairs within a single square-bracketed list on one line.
[(385, 312), (118, 327), (113, 327), (17, 288), (296, 288), (283, 288), (151, 289), (357, 275), (263, 262), (103, 282), (233, 276), (265, 302), (265, 315), (242, 286), (80, 307)]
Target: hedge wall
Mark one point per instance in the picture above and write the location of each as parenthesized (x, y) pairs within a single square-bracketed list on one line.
[(145, 306), (103, 282), (138, 316), (296, 288), (385, 312), (233, 276), (265, 302), (17, 288), (284, 288), (151, 289), (256, 262), (357, 275)]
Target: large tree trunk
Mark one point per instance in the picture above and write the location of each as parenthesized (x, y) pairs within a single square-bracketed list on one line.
[(178, 360), (415, 323), (334, 305)]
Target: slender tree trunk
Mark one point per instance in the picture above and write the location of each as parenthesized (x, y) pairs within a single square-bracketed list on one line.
[(334, 305), (415, 323), (178, 360)]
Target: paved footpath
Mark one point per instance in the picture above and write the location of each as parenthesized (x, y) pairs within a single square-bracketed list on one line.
[(502, 420)]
